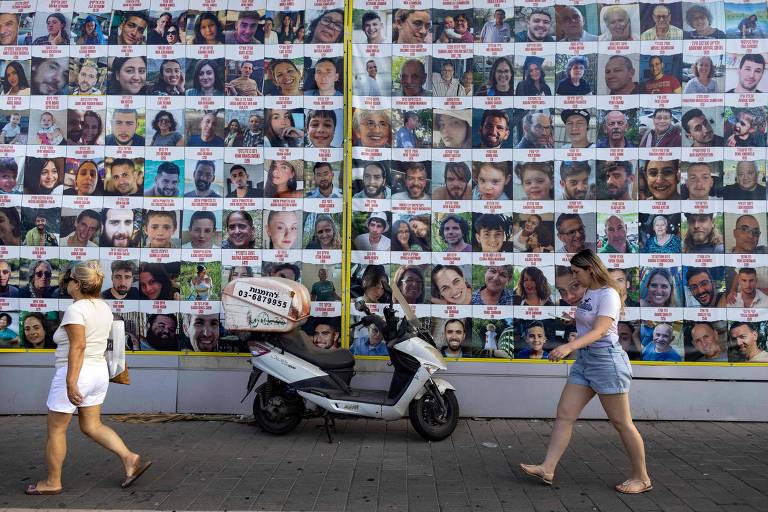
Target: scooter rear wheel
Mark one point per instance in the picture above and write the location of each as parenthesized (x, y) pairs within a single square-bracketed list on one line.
[(279, 414), (426, 418)]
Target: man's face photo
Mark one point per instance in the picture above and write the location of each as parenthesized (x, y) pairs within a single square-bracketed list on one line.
[(124, 127), (122, 280), (618, 182), (204, 175), (245, 29), (572, 234), (746, 233), (744, 338), (747, 283), (452, 233), (706, 340), (702, 288), (699, 181), (124, 179), (412, 78), (657, 67), (85, 228), (750, 74), (746, 175), (9, 29), (493, 132), (454, 334), (166, 184), (372, 29), (662, 337), (615, 126), (700, 132), (375, 229), (239, 177), (86, 78), (49, 76), (700, 227), (618, 75), (161, 332), (415, 182), (325, 336), (539, 26), (616, 232), (203, 332), (159, 229), (576, 186), (132, 31), (40, 223), (324, 177), (371, 68), (540, 132), (455, 184), (118, 228), (373, 181)]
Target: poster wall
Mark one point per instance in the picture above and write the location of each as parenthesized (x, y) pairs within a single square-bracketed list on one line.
[(181, 143), (492, 139)]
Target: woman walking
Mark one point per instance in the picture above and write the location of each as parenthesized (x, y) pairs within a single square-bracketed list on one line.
[(81, 379), (602, 368)]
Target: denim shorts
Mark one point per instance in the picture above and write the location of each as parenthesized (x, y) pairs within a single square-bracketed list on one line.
[(604, 369)]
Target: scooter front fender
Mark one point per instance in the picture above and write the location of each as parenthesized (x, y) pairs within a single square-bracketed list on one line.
[(441, 384)]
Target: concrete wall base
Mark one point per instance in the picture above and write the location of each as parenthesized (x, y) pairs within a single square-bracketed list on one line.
[(215, 385)]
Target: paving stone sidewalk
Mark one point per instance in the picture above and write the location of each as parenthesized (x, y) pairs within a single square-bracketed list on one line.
[(377, 466)]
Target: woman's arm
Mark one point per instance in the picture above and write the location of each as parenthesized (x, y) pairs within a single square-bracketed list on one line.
[(599, 329), (76, 334)]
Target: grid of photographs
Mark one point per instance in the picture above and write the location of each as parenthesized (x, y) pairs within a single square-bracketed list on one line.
[(493, 139), (181, 143)]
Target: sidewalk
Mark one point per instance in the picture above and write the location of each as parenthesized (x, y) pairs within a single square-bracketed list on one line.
[(372, 465)]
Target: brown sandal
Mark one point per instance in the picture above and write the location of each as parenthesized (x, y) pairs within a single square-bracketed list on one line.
[(140, 469), (626, 486), (32, 490), (530, 470)]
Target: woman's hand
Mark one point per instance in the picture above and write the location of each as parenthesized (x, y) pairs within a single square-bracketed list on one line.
[(292, 133), (559, 353), (73, 393)]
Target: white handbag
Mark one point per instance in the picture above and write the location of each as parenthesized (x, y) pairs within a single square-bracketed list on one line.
[(115, 354)]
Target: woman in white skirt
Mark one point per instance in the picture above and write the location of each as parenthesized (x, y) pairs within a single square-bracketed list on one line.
[(82, 378)]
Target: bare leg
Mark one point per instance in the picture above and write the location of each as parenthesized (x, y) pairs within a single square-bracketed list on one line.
[(55, 449), (572, 401), (91, 425), (618, 411)]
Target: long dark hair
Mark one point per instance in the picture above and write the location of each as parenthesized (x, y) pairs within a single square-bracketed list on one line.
[(117, 65), (535, 274), (160, 275), (492, 74), (160, 87), (270, 190), (13, 216), (48, 339), (32, 174), (274, 140), (395, 243), (218, 79), (23, 82), (199, 39), (91, 113)]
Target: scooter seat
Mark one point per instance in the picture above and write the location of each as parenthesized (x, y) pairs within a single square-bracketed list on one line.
[(333, 359)]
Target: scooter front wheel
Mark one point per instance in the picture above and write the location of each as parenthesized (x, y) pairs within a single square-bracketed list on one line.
[(274, 412), (428, 418)]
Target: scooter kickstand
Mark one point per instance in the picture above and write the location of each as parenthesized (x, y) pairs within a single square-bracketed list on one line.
[(330, 423)]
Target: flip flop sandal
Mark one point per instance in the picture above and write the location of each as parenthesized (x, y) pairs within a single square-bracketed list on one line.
[(547, 479), (647, 486), (32, 490), (142, 468)]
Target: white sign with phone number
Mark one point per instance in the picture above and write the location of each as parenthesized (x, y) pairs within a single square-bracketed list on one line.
[(271, 300)]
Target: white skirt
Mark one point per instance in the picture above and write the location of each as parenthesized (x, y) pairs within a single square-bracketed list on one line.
[(92, 383)]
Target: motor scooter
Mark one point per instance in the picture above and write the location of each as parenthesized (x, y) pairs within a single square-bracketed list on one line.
[(303, 381)]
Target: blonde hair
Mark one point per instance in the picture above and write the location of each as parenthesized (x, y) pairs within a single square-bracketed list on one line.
[(90, 276), (588, 260)]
